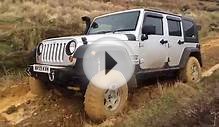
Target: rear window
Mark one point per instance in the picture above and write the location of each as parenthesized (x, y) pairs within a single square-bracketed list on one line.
[(174, 28), (190, 32)]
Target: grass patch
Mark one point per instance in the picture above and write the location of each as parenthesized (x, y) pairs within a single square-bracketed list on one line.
[(5, 48), (180, 105), (10, 20), (11, 77)]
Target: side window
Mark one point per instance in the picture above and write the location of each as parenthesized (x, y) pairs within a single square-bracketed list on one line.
[(189, 29), (156, 22), (174, 28)]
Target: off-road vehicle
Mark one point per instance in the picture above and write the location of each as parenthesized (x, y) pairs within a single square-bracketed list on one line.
[(162, 43)]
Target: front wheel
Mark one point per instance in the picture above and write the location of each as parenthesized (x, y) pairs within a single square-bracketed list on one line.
[(102, 103), (191, 72)]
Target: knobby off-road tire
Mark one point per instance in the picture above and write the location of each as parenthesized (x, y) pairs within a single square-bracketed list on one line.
[(191, 73), (95, 100), (37, 87)]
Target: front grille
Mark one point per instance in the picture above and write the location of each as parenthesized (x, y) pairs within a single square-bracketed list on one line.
[(53, 52)]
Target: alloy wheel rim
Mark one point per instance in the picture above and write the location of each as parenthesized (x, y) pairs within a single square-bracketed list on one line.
[(112, 99)]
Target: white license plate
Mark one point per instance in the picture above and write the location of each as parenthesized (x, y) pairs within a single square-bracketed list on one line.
[(41, 68)]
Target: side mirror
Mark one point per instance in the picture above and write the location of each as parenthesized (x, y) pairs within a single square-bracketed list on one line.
[(148, 30), (87, 20)]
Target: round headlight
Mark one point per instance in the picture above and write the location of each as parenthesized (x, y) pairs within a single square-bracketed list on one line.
[(40, 49), (70, 47)]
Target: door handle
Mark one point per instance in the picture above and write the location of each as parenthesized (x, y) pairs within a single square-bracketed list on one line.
[(180, 42), (163, 41)]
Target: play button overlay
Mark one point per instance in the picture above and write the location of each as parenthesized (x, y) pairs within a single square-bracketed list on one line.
[(107, 63)]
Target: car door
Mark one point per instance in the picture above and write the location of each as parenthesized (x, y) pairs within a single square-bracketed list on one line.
[(175, 40), (153, 51)]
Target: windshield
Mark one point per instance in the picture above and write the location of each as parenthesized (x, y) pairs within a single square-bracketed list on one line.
[(126, 21)]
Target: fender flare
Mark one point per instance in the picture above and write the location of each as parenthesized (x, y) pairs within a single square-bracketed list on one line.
[(79, 53), (188, 52)]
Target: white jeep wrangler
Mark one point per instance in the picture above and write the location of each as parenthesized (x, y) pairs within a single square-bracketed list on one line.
[(162, 43)]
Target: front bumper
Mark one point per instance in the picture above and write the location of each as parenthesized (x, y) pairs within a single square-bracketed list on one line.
[(64, 75)]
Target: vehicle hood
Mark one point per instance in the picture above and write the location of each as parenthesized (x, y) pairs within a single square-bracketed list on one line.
[(91, 38)]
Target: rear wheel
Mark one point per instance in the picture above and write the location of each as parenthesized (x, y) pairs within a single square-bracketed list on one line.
[(191, 72), (102, 103), (37, 87)]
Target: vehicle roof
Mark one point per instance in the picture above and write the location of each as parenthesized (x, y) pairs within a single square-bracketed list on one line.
[(118, 12), (150, 10), (163, 12), (169, 13)]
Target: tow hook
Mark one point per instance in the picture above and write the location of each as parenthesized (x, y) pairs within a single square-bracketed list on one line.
[(28, 71), (51, 76)]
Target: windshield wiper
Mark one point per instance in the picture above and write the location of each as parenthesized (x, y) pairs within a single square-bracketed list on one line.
[(119, 30), (112, 31), (103, 32)]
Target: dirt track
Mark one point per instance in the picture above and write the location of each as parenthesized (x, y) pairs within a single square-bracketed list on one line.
[(19, 107)]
